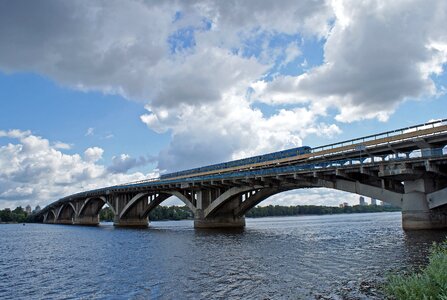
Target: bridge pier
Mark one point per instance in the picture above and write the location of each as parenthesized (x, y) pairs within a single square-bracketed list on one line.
[(129, 208), (416, 213), (224, 217), (222, 221), (89, 220), (131, 222), (64, 221)]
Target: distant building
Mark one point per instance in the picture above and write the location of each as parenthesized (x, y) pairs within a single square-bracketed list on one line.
[(341, 205), (373, 201), (362, 201), (345, 204), (386, 204), (37, 209), (28, 209)]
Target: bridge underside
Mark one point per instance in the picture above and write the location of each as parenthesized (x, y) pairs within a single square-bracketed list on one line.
[(419, 188)]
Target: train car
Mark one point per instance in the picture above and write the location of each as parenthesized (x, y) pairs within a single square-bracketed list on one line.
[(241, 162)]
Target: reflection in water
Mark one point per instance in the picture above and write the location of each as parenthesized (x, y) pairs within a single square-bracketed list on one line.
[(273, 258), (418, 243)]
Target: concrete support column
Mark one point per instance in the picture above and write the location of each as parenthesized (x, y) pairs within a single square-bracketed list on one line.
[(416, 214), (90, 214), (65, 221), (132, 216), (48, 218), (203, 199), (89, 220), (131, 222), (223, 218)]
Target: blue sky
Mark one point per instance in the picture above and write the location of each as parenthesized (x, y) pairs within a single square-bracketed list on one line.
[(121, 91)]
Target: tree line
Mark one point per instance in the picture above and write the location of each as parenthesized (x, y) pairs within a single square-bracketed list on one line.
[(277, 210), (17, 215)]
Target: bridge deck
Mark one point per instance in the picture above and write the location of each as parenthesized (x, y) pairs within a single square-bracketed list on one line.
[(367, 152)]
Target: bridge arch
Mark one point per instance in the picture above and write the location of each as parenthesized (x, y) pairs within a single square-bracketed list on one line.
[(367, 190), (132, 202), (257, 198), (250, 196), (224, 198), (184, 199), (166, 195), (66, 211), (50, 216), (94, 200)]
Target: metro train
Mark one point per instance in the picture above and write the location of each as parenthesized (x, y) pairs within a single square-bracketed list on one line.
[(241, 162)]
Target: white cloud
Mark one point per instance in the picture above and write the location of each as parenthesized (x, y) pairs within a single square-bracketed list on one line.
[(230, 130), (62, 146), (93, 154), (313, 196), (291, 53), (33, 171), (377, 55), (14, 133), (136, 49), (90, 131)]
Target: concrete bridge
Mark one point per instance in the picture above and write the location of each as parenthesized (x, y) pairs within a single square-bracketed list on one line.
[(406, 167)]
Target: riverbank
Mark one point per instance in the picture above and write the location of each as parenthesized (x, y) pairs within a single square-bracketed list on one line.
[(428, 283)]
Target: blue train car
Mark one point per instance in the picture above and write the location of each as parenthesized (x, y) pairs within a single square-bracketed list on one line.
[(241, 162)]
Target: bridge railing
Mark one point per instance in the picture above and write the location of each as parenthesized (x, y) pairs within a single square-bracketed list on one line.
[(436, 153), (378, 136)]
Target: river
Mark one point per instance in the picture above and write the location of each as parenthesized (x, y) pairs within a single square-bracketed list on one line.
[(305, 257)]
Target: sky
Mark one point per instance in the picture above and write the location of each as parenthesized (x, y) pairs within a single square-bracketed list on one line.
[(96, 93)]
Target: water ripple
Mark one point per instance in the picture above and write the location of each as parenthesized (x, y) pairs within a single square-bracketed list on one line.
[(273, 258)]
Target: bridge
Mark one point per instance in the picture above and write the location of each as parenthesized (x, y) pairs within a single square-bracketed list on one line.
[(405, 167)]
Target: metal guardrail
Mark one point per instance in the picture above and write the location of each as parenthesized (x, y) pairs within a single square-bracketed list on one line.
[(381, 135)]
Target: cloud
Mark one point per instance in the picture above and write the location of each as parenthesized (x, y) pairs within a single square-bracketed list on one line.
[(33, 171), (123, 163), (93, 154), (375, 57), (90, 131), (177, 57), (62, 146), (229, 130), (291, 53), (125, 47), (14, 133), (313, 196)]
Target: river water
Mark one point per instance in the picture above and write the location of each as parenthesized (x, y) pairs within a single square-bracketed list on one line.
[(305, 257)]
